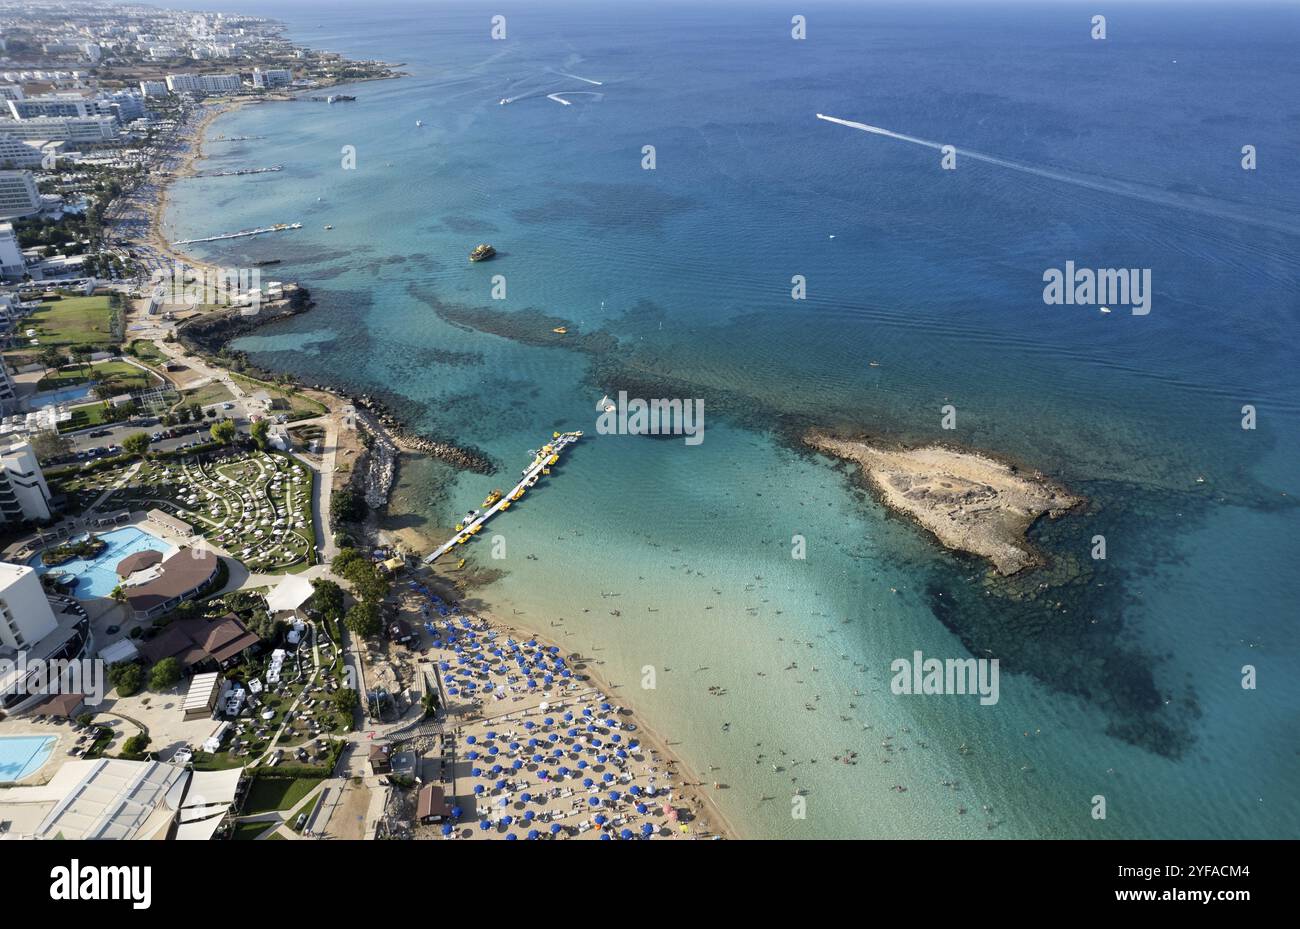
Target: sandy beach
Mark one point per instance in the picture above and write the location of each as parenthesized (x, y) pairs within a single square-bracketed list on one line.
[(520, 713)]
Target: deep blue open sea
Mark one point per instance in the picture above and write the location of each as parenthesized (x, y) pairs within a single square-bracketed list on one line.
[(1120, 678)]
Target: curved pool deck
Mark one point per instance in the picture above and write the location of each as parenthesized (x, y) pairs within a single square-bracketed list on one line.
[(97, 577)]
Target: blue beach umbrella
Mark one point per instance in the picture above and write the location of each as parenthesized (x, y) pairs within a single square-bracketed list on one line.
[(446, 829), (555, 828), (625, 834), (511, 837), (647, 830)]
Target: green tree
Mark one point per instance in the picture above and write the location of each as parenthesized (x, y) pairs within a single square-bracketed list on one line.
[(346, 506), (49, 446), (363, 619), (345, 700), (258, 431), (81, 355), (52, 358), (223, 431), (126, 677), (135, 745), (327, 599), (165, 674), (136, 444)]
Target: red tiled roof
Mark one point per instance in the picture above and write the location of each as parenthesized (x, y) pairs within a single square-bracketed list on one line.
[(190, 641)]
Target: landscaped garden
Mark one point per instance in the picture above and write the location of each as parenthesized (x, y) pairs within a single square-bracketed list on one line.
[(255, 505), (116, 377)]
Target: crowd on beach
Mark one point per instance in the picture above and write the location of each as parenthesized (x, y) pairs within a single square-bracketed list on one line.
[(538, 748)]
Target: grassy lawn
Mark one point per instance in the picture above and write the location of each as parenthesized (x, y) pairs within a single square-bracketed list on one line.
[(147, 352), (278, 793), (120, 376), (216, 392), (310, 807), (246, 832), (72, 321), (203, 761), (93, 414), (297, 402)]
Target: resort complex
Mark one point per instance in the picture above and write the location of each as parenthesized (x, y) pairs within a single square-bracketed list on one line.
[(884, 526)]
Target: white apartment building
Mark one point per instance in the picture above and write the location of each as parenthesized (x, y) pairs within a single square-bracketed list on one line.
[(11, 266), (18, 194), (16, 154), (24, 494), (204, 83), (11, 92), (51, 105), (25, 614), (6, 385), (272, 77), (65, 128), (153, 88)]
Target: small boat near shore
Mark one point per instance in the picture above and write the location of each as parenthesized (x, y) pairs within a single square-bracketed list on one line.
[(482, 252)]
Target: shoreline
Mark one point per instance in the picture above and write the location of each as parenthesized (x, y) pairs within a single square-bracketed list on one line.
[(689, 785), (692, 785)]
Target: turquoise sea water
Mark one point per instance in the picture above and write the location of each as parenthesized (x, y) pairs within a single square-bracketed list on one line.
[(1120, 678)]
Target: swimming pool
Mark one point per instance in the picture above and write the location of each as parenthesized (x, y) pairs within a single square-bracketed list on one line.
[(72, 394), (21, 755), (98, 576)]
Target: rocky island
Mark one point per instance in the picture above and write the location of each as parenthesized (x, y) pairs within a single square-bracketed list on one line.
[(971, 503)]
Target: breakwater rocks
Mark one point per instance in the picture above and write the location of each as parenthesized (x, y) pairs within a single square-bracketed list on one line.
[(462, 458), (380, 466)]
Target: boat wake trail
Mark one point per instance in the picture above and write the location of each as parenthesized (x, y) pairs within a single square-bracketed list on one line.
[(559, 96), (585, 80), (1206, 206)]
